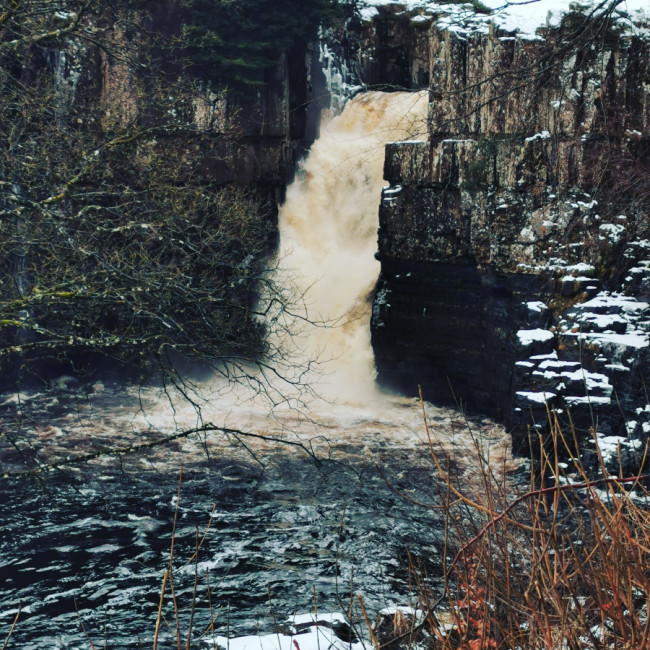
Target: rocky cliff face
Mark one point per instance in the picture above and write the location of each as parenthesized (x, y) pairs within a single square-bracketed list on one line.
[(249, 139), (130, 177), (507, 238), (387, 49)]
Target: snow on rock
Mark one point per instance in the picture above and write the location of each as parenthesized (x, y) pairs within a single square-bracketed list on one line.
[(544, 357), (600, 362), (557, 365), (587, 400), (301, 632), (615, 449), (544, 135), (612, 231), (524, 364), (389, 194), (576, 278), (536, 306), (521, 18), (581, 268), (535, 398), (613, 322), (528, 337), (613, 303), (604, 322), (610, 320), (616, 342)]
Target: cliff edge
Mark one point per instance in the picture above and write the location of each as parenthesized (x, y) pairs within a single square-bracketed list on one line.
[(514, 241)]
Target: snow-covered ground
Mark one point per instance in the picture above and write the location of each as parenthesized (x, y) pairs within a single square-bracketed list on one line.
[(523, 16), (302, 632)]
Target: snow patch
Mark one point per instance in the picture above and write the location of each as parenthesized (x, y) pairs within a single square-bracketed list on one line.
[(544, 135), (528, 337), (318, 636), (536, 306), (612, 231), (537, 398), (522, 18)]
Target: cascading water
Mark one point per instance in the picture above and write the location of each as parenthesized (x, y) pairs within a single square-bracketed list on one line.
[(328, 237), (92, 550)]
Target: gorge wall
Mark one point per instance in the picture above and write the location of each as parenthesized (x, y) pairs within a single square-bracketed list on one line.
[(513, 243), (146, 147), (114, 73)]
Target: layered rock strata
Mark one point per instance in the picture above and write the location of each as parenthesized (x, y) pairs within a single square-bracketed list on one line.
[(529, 199), (250, 139)]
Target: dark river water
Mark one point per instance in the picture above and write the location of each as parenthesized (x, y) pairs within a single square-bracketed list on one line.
[(83, 551), (92, 555), (304, 515)]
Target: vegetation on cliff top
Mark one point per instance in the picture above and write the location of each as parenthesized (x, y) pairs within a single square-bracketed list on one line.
[(233, 43)]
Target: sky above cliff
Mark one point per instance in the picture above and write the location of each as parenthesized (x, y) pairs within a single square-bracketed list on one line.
[(522, 16)]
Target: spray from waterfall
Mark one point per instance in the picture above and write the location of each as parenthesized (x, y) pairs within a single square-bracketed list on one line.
[(328, 237)]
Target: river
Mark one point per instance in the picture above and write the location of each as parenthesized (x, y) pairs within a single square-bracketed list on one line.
[(300, 503)]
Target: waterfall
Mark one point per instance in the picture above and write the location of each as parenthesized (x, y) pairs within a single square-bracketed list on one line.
[(282, 523), (328, 237)]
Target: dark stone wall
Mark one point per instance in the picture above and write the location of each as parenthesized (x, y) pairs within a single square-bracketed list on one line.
[(389, 52), (451, 330), (530, 198)]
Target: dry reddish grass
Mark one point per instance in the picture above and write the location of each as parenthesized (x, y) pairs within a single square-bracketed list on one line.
[(565, 565)]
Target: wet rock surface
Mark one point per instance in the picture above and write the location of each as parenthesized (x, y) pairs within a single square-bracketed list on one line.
[(448, 328)]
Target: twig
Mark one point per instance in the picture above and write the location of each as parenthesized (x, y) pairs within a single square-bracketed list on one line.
[(171, 561), (537, 493), (135, 448), (11, 630), (160, 604), (196, 585), (373, 638)]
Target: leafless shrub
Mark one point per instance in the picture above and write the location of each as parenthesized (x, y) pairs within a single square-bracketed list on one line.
[(562, 565)]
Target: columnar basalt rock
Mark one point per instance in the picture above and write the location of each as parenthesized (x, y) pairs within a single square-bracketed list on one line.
[(520, 206)]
